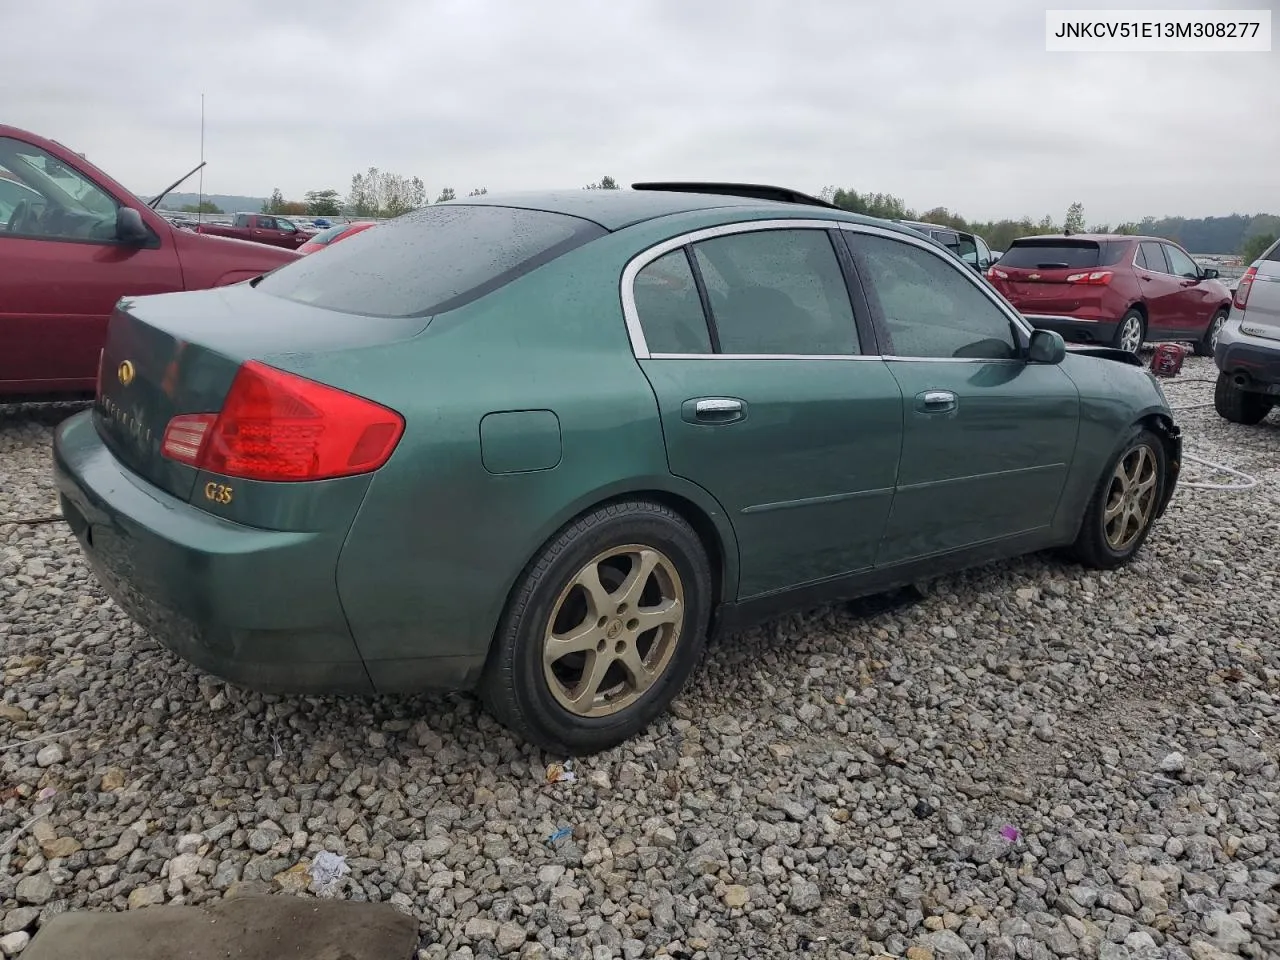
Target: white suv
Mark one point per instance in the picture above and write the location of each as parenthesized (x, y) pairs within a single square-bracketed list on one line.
[(1248, 349)]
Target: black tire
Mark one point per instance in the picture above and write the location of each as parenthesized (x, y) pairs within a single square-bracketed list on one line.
[(1239, 406), (1092, 547), (1132, 315), (515, 687), (1204, 346)]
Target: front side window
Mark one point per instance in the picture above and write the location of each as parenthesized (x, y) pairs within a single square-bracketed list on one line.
[(984, 252), (931, 307), (286, 225), (669, 308), (1179, 263), (777, 292), (42, 198)]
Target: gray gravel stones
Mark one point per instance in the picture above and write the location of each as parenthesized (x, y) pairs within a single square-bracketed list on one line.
[(830, 785)]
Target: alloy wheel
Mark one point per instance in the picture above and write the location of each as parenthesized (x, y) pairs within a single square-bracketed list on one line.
[(1131, 335), (613, 630), (1219, 321), (1131, 498)]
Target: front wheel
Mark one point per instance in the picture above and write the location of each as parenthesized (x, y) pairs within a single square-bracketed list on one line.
[(1123, 507), (1239, 406), (1130, 332), (602, 630), (1205, 345)]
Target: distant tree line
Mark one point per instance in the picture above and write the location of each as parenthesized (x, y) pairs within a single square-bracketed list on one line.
[(1234, 234), (373, 193)]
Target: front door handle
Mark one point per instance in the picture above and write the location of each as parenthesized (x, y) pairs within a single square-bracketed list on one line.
[(712, 410), (936, 401)]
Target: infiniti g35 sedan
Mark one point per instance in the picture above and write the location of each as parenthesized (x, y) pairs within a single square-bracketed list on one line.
[(541, 445)]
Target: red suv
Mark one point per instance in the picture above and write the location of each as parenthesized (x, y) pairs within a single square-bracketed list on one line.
[(1116, 290)]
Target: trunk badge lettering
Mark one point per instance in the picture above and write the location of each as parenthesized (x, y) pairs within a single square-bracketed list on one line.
[(125, 372)]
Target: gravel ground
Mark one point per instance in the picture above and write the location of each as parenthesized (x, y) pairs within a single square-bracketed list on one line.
[(1033, 761)]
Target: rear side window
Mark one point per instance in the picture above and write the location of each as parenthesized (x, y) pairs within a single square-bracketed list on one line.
[(429, 261), (1151, 255), (1068, 255), (778, 292), (669, 308), (331, 234)]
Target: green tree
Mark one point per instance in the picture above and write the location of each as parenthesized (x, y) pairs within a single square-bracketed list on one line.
[(204, 206), (478, 192), (276, 202), (323, 203), (1256, 246), (606, 183), (446, 195), (1074, 223), (363, 199)]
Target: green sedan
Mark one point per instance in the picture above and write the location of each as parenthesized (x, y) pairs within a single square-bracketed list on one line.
[(541, 445)]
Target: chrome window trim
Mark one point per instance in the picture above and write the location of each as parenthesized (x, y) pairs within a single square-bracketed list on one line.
[(639, 346)]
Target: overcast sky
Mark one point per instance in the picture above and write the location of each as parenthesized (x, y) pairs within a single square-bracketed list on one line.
[(941, 103)]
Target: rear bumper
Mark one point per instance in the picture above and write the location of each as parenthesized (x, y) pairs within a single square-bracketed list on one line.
[(256, 607), (1075, 329), (1254, 360)]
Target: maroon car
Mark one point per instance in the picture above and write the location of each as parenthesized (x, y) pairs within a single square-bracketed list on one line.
[(72, 243), (260, 228), (1120, 291)]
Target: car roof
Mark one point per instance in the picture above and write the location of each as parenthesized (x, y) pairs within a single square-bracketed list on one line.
[(617, 209), (932, 226), (1083, 236)]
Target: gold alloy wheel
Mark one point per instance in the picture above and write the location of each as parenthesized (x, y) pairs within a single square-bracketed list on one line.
[(1131, 498), (613, 630)]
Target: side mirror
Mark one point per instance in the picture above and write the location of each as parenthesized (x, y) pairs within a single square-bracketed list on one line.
[(1209, 273), (129, 227), (1047, 346)]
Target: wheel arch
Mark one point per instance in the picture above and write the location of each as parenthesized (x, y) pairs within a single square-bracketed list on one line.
[(1162, 425), (694, 504)]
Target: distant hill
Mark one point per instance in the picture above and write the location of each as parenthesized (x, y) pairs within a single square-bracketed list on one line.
[(225, 203)]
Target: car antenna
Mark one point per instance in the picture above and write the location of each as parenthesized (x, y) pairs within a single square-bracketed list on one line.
[(169, 189)]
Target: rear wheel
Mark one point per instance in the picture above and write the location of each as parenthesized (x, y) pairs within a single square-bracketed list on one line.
[(1204, 346), (1123, 508), (1237, 405), (602, 631), (1130, 332)]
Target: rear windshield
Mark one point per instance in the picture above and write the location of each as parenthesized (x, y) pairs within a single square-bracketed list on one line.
[(1272, 255), (429, 261), (1066, 254)]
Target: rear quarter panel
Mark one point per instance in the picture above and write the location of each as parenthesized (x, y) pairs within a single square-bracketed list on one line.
[(440, 540), (1113, 397)]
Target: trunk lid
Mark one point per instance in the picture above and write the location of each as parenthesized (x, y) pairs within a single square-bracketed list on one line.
[(176, 354)]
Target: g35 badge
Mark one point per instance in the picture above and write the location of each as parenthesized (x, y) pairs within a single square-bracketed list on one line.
[(218, 492)]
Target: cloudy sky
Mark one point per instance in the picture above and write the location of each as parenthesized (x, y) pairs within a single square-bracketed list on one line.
[(953, 104)]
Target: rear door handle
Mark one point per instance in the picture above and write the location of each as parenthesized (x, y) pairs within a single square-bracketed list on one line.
[(936, 401), (712, 410)]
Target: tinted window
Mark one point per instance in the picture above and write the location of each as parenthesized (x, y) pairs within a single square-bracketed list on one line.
[(1180, 264), (670, 311), (930, 306), (778, 292), (330, 234), (1272, 255), (1066, 255), (1153, 254), (430, 260)]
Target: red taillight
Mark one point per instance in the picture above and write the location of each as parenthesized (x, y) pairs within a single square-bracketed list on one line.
[(1241, 297), (277, 426), (1098, 278)]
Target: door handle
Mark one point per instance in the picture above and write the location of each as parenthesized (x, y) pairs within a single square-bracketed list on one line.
[(710, 410), (936, 401)]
